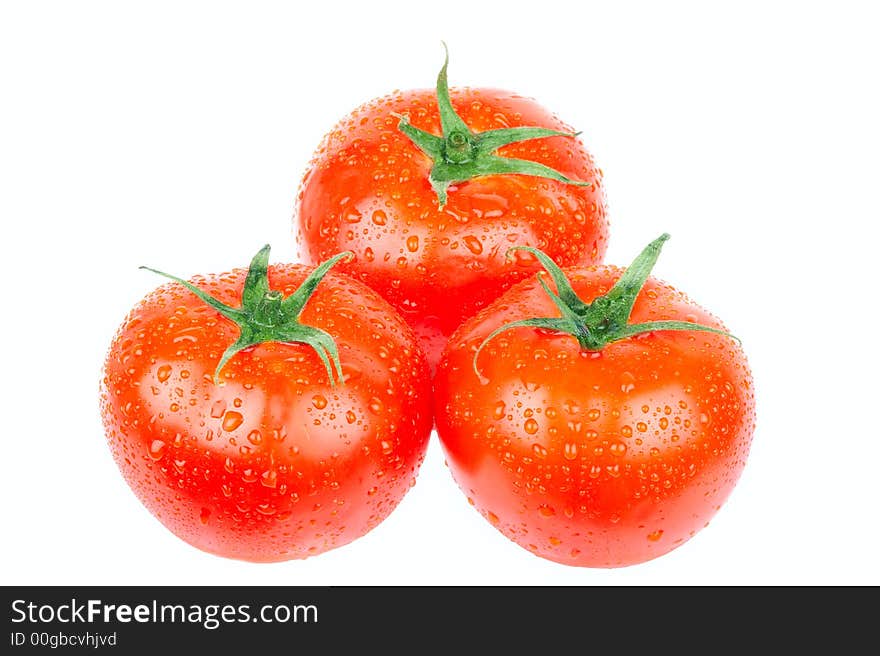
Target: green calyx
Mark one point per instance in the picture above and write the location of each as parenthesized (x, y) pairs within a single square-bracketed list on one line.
[(606, 319), (266, 316), (461, 155)]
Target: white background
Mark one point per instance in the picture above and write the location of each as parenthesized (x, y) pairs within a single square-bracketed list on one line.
[(175, 134)]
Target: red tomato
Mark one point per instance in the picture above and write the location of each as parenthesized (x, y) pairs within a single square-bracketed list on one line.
[(272, 459), (377, 183), (603, 456)]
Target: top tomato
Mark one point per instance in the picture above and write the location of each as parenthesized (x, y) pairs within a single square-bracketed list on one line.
[(429, 195)]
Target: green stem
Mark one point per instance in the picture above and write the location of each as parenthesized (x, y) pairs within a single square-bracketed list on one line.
[(459, 154), (266, 316), (606, 318)]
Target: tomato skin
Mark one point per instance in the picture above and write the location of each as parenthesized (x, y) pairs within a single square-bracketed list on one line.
[(273, 463), (595, 459), (367, 190)]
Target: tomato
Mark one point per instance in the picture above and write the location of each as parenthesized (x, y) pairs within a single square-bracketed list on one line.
[(429, 218), (602, 424), (303, 436)]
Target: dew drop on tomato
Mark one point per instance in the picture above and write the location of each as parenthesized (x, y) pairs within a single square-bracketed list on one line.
[(157, 449), (232, 420), (218, 409), (473, 244), (163, 373), (617, 449), (269, 478)]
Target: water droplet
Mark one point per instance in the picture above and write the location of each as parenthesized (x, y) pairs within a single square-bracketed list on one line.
[(524, 259), (350, 417), (157, 449), (546, 511), (350, 372), (653, 536), (376, 405), (379, 217), (412, 244), (539, 450), (473, 244), (204, 515), (492, 517), (319, 401), (499, 410), (531, 426), (531, 385), (570, 451), (232, 420), (269, 478), (593, 414), (255, 437), (218, 409), (163, 373), (641, 427), (387, 447), (617, 449)]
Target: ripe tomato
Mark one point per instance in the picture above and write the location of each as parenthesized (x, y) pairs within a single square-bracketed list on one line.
[(290, 447), (604, 453), (429, 218)]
